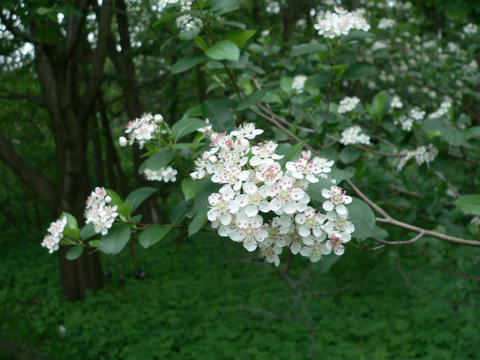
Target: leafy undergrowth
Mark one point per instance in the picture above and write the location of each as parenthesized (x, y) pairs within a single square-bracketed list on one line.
[(209, 301)]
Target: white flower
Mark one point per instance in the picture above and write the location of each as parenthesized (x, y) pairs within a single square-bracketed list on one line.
[(123, 141), (51, 243), (352, 136), (315, 251), (253, 199), (285, 196), (348, 104), (336, 242), (336, 200), (299, 82), (470, 29), (56, 228), (338, 223), (169, 174), (269, 171), (223, 205), (249, 231), (396, 102), (247, 130), (264, 151), (270, 252), (386, 23), (310, 222)]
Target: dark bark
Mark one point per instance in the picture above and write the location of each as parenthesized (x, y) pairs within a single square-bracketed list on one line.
[(97, 152)]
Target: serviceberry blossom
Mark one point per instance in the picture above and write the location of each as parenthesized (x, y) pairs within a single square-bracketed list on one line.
[(352, 136), (332, 25), (55, 236), (169, 174), (141, 130), (299, 82), (417, 115), (255, 185), (396, 102), (442, 110), (421, 154), (336, 200), (405, 122), (470, 29), (99, 212), (348, 104)]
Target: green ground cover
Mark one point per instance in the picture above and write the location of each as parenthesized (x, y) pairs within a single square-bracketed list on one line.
[(210, 301)]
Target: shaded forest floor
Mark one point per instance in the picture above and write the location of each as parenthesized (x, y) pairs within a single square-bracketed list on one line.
[(212, 301)]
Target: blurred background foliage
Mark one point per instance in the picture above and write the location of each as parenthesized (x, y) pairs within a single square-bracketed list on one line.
[(208, 299)]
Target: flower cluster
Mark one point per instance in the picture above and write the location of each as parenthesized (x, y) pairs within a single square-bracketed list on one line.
[(99, 212), (348, 104), (407, 121), (421, 154), (353, 136), (186, 21), (142, 130), (165, 174), (299, 82), (470, 29), (52, 240), (255, 183), (442, 110), (386, 24), (332, 25), (396, 102)]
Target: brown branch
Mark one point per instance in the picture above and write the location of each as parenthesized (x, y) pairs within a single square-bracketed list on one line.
[(39, 100), (393, 187), (393, 243)]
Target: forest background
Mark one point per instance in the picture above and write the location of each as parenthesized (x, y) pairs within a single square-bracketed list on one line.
[(203, 297)]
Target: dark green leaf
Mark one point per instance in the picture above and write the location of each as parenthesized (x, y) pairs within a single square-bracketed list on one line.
[(235, 24), (293, 153), (153, 235), (205, 189), (186, 126), (158, 161), (362, 217), (251, 100), (116, 239), (356, 35), (71, 221), (137, 197), (469, 204), (356, 72), (325, 264), (220, 114), (224, 50), (189, 187), (87, 231), (180, 212), (74, 253), (239, 37), (94, 243), (324, 79), (200, 42), (115, 198), (308, 49), (349, 154), (166, 18), (188, 62), (198, 221)]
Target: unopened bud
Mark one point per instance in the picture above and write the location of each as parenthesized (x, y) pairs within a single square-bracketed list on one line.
[(213, 159), (108, 199), (158, 118), (241, 145), (206, 155), (194, 175), (123, 141)]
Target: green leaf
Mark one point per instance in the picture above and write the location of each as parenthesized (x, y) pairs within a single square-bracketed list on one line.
[(469, 204), (362, 217), (153, 235), (158, 161), (200, 42), (188, 145), (137, 197), (87, 231), (325, 264), (115, 198), (116, 239), (286, 84), (224, 50), (225, 5), (235, 24), (94, 243), (293, 153), (380, 233), (194, 111), (186, 126), (307, 49), (239, 37), (357, 35), (166, 18), (188, 62), (356, 72), (198, 221), (189, 187), (71, 221), (180, 212), (205, 189), (324, 79), (314, 190), (220, 114), (71, 232), (349, 154), (74, 253), (251, 100)]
